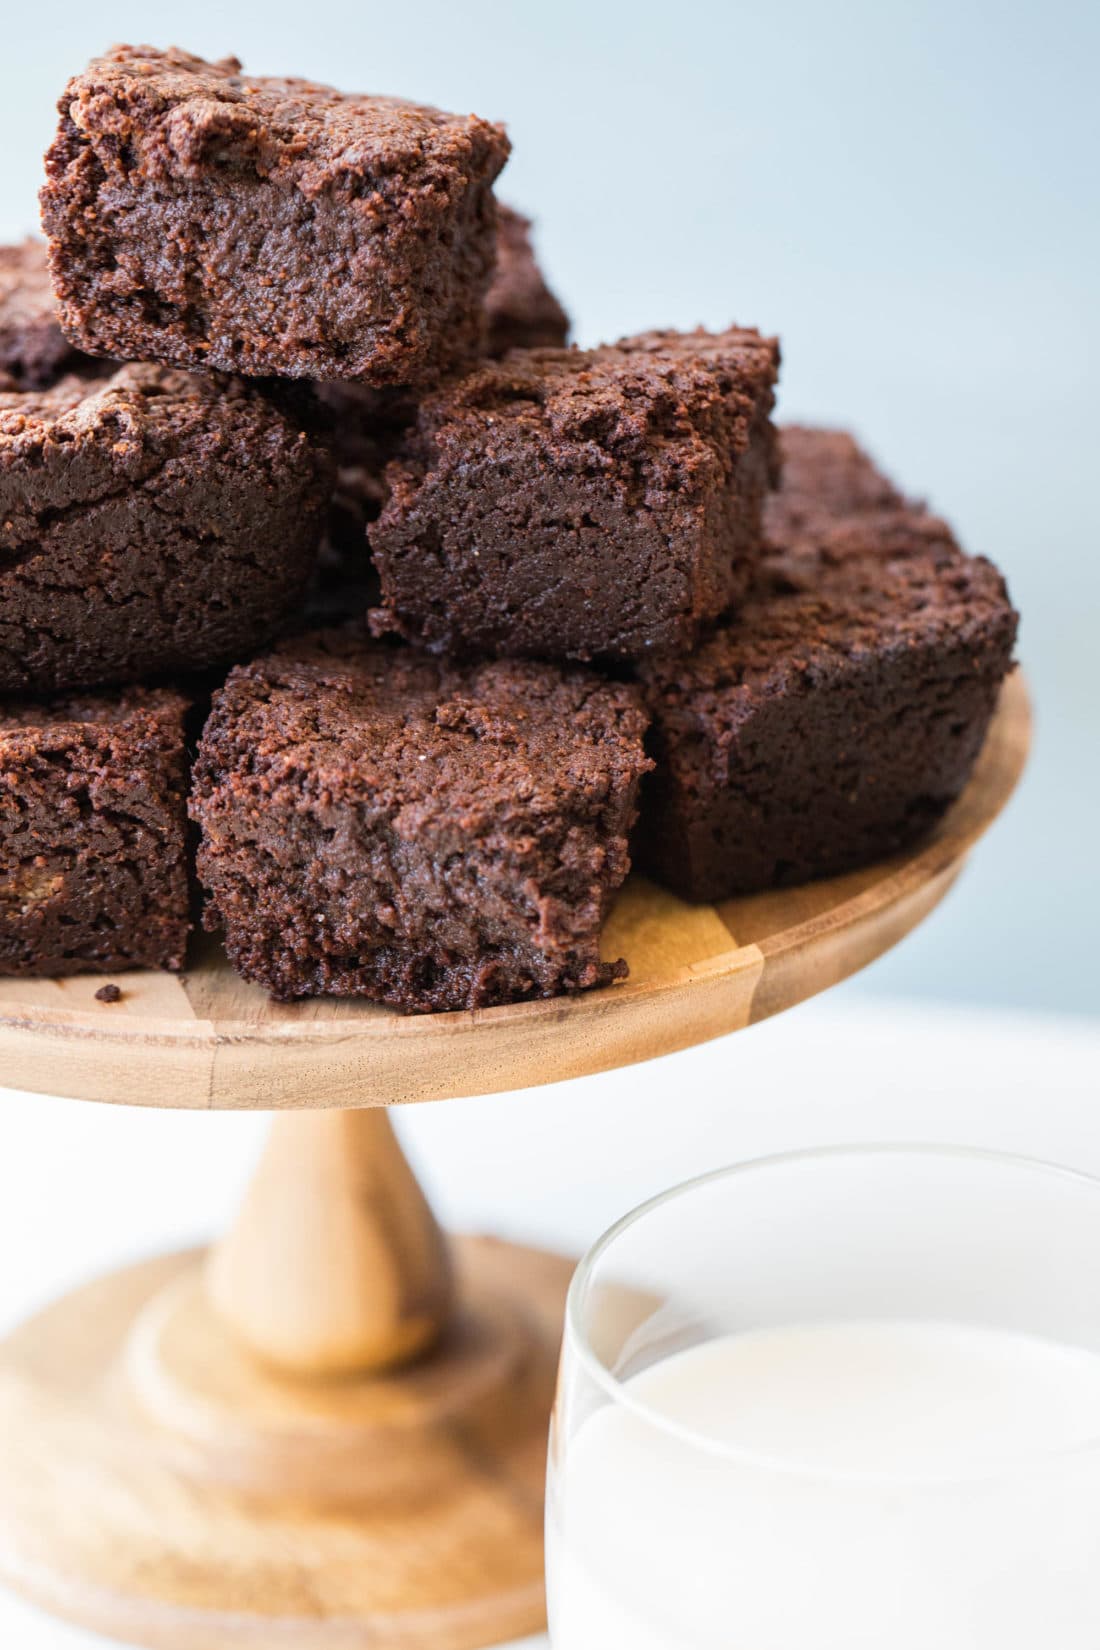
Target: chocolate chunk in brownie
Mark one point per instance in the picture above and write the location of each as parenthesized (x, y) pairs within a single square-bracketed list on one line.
[(93, 833), (841, 712), (151, 521), (521, 309), (376, 823), (203, 218), (581, 504), (34, 351)]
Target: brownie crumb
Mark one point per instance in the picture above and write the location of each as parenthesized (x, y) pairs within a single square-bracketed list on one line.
[(108, 994)]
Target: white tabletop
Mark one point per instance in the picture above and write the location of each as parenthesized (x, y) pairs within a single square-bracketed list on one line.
[(85, 1187)]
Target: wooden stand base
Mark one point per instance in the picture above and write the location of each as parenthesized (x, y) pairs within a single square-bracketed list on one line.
[(162, 1486)]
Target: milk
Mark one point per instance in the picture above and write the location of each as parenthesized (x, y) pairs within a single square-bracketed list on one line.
[(871, 1486)]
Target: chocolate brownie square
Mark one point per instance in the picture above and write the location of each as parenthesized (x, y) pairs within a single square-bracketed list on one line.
[(521, 309), (151, 521), (34, 351), (843, 709), (93, 833), (581, 504), (378, 824), (203, 218)]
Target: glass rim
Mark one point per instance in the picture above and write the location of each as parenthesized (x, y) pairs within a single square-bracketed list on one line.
[(618, 1391)]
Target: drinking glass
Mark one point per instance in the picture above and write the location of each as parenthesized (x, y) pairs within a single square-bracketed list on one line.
[(835, 1400)]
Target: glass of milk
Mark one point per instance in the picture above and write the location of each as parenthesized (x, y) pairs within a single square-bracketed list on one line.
[(839, 1400)]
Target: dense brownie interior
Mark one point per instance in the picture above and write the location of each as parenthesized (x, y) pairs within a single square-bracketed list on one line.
[(377, 823)]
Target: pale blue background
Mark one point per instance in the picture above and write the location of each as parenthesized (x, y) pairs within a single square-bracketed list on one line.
[(905, 192)]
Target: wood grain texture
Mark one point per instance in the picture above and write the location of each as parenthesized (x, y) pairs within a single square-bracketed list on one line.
[(159, 1486), (205, 1038)]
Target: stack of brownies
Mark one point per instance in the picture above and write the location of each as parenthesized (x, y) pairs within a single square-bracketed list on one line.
[(291, 397)]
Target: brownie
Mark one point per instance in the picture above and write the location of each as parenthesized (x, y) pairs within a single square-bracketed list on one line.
[(34, 351), (93, 833), (377, 823), (151, 521), (581, 504), (841, 712), (202, 218), (522, 311)]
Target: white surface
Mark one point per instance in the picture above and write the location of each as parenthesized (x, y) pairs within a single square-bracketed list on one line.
[(865, 1488), (84, 1187)]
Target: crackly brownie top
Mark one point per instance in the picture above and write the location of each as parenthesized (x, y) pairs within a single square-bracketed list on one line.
[(337, 717), (181, 114), (132, 733), (519, 306), (654, 398), (854, 572), (84, 439), (33, 349)]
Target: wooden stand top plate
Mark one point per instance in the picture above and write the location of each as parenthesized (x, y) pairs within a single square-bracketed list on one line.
[(204, 1038)]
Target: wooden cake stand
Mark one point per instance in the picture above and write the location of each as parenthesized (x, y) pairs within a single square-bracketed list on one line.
[(330, 1431)]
